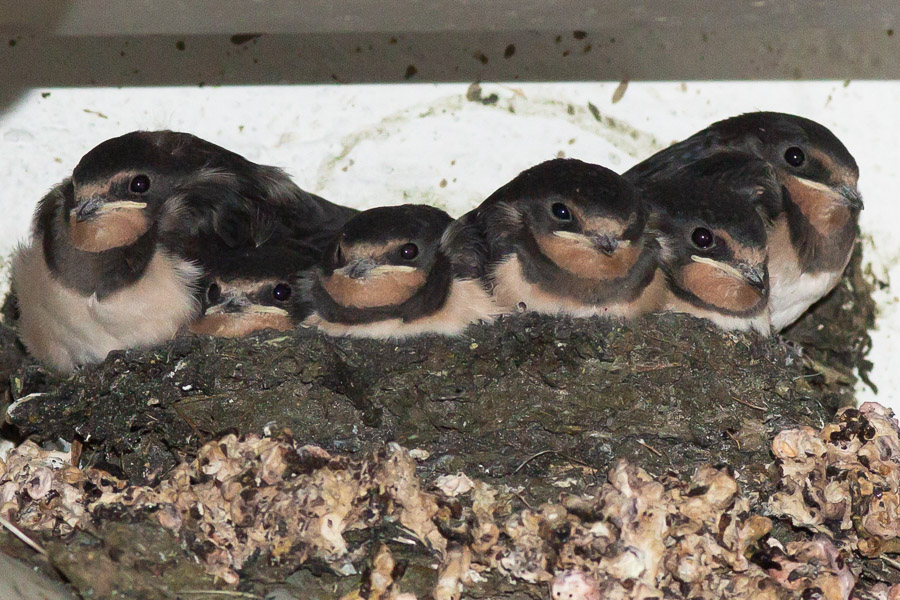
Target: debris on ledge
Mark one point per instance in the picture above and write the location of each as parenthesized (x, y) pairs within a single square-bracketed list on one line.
[(255, 509)]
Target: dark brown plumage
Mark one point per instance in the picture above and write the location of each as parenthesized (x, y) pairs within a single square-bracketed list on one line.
[(813, 213), (119, 250), (567, 237), (713, 243), (391, 272)]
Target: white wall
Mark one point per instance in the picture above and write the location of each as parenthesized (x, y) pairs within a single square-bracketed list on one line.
[(368, 145)]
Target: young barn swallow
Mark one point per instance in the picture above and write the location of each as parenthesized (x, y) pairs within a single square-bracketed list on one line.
[(252, 291), (813, 220), (390, 273), (118, 249), (238, 307), (713, 244), (568, 237)]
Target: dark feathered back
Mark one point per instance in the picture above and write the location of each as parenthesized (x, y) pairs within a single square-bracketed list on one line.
[(496, 221), (773, 128), (721, 191), (223, 203), (397, 222), (466, 247), (759, 135), (573, 179), (710, 186)]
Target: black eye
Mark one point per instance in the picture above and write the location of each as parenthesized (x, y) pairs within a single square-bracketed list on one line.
[(409, 251), (702, 238), (213, 293), (794, 156), (281, 292), (561, 211), (140, 184)]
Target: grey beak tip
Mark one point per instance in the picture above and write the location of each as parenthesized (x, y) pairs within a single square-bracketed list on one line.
[(361, 268), (758, 280), (606, 245), (853, 198), (87, 208), (358, 271), (232, 303)]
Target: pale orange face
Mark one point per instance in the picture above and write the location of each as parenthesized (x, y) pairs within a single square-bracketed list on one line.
[(372, 277), (721, 289), (732, 278), (385, 288), (223, 324), (115, 228), (823, 188), (105, 218), (587, 245), (824, 208), (583, 259), (239, 307)]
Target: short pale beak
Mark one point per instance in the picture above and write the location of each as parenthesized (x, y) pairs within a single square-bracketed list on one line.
[(95, 206), (364, 268), (843, 194), (241, 305), (575, 237), (852, 196), (228, 305), (603, 243), (358, 269), (755, 275), (267, 310)]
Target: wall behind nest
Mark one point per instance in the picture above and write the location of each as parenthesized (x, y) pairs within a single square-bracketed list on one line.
[(368, 119)]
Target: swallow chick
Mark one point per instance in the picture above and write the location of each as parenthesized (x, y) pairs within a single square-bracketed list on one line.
[(251, 292), (713, 252), (118, 250), (239, 307), (390, 273), (568, 237), (93, 280), (813, 219)]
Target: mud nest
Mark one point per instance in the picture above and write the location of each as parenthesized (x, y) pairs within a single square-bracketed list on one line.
[(537, 409)]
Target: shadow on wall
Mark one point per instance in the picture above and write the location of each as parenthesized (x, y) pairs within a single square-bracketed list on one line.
[(33, 57), (16, 24), (40, 16)]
